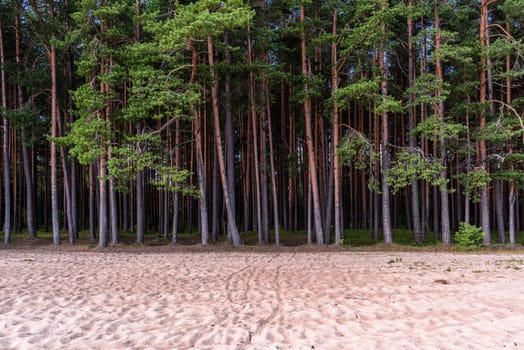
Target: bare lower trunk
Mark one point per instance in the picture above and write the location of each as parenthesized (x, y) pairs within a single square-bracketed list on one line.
[(511, 202), (102, 204), (92, 189), (228, 128), (204, 226), (500, 211), (113, 206), (386, 216), (484, 192), (273, 176), (218, 141), (415, 207), (5, 146), (54, 121), (309, 140), (336, 132), (140, 209), (254, 135), (176, 194)]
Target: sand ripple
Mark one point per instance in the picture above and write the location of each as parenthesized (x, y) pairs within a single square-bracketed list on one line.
[(238, 300)]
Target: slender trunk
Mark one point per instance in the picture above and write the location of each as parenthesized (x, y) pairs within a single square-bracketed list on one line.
[(444, 198), (218, 140), (484, 192), (336, 132), (411, 125), (272, 169), (511, 194), (176, 194), (140, 208), (113, 206), (511, 202), (309, 138), (102, 204), (215, 196), (264, 209), (5, 146), (228, 128), (204, 226), (383, 65), (74, 200), (499, 208), (54, 121), (92, 189), (309, 216), (254, 135), (30, 195), (67, 188), (467, 201)]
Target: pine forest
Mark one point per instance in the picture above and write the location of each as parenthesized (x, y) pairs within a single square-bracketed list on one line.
[(218, 118)]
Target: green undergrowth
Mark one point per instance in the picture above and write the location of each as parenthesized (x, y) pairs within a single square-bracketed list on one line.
[(354, 239)]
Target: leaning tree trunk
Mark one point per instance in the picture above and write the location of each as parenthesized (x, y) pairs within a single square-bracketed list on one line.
[(228, 128), (235, 236), (309, 138)]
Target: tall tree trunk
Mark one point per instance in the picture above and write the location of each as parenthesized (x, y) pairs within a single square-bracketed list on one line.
[(254, 134), (272, 169), (29, 189), (411, 125), (309, 137), (511, 193), (383, 66), (499, 208), (439, 106), (336, 132), (5, 145), (228, 127), (484, 192), (467, 199), (54, 121), (218, 140), (264, 208), (140, 207), (176, 194)]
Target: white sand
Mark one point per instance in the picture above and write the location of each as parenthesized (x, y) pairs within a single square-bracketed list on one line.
[(239, 300)]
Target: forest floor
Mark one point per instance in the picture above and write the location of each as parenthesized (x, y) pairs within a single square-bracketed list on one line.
[(194, 297)]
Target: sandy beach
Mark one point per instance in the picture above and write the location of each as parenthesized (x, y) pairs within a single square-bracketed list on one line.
[(59, 299)]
